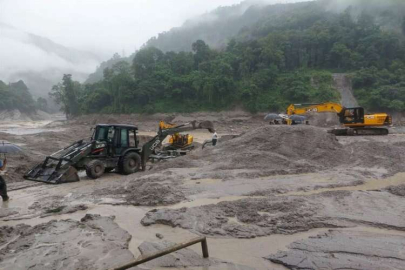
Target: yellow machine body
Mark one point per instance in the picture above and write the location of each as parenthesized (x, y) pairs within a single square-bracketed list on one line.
[(177, 140), (354, 118)]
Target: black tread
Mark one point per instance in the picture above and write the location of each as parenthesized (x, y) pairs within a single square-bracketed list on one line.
[(91, 169), (125, 164)]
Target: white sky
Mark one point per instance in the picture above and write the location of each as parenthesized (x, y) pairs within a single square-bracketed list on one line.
[(102, 26)]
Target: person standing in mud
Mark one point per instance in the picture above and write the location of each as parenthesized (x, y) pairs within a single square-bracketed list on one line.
[(3, 185), (214, 139)]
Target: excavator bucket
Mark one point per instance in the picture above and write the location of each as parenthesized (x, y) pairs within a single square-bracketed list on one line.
[(59, 167), (207, 125), (53, 171)]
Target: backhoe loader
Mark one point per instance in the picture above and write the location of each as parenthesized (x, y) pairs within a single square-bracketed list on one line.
[(353, 119), (112, 147)]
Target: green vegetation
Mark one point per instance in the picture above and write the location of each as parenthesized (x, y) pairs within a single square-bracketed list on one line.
[(286, 56), (65, 94), (16, 96), (383, 89)]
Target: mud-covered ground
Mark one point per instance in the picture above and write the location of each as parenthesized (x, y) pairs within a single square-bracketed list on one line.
[(267, 197)]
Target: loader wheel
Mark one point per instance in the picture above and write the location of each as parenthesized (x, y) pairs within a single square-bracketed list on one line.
[(131, 163), (95, 169)]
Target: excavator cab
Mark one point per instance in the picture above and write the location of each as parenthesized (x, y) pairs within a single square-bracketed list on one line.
[(119, 138), (179, 141), (352, 115)]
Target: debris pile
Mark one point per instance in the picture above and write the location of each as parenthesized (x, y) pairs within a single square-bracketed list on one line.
[(297, 149), (274, 150)]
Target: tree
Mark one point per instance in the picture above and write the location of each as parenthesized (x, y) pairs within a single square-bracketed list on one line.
[(42, 104), (66, 95), (201, 52), (146, 61), (341, 56), (403, 25)]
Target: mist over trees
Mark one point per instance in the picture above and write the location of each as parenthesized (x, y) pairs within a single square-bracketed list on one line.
[(286, 56), (16, 96)]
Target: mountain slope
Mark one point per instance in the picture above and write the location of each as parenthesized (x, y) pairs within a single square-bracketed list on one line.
[(255, 19), (39, 61), (288, 56)]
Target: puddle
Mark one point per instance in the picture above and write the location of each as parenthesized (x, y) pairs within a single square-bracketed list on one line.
[(208, 201), (27, 128), (376, 184)]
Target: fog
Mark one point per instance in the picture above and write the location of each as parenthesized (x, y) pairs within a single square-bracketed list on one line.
[(102, 27), (107, 26), (52, 37)]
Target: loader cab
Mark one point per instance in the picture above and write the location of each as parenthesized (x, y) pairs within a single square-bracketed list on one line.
[(352, 116), (118, 137)]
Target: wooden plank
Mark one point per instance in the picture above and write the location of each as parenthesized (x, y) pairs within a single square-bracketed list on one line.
[(144, 259)]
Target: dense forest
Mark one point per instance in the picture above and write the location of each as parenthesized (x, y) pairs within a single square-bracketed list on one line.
[(16, 96), (287, 55)]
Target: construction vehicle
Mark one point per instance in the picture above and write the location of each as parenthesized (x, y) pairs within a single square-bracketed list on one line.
[(112, 147), (354, 120), (177, 140)]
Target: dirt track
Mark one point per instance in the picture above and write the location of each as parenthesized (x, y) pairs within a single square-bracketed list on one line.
[(273, 197)]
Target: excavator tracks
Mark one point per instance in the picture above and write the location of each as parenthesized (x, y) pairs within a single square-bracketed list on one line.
[(359, 131)]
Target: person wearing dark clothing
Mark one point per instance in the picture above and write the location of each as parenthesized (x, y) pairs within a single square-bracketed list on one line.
[(3, 185), (214, 139)]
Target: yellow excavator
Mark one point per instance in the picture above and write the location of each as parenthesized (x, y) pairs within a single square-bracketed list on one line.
[(355, 121), (177, 140)]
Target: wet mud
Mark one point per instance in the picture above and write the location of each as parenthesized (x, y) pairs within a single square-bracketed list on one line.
[(249, 218), (259, 196), (93, 243), (143, 194), (337, 249)]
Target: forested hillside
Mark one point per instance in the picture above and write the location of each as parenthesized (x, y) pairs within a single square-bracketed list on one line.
[(286, 56), (16, 96)]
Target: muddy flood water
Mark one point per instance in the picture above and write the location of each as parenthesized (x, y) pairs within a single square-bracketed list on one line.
[(271, 198)]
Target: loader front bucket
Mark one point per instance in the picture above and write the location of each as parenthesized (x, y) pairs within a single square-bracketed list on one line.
[(207, 125), (53, 171)]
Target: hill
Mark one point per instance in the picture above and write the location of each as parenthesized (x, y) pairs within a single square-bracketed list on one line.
[(39, 61), (287, 55), (15, 96)]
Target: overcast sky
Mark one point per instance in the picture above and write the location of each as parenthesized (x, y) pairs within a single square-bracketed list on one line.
[(102, 26)]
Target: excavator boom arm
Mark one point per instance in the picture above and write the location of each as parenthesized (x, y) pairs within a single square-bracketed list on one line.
[(306, 108)]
